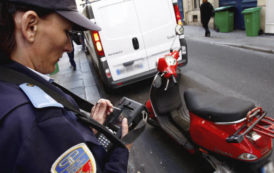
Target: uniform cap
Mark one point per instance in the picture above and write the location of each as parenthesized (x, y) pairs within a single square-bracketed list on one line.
[(65, 8)]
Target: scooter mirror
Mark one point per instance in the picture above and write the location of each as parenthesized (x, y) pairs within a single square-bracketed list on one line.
[(157, 81), (179, 29)]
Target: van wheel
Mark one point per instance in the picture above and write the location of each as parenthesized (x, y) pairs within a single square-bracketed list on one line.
[(102, 88), (108, 89), (184, 56)]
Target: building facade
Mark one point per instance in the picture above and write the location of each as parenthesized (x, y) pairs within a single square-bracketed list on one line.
[(262, 4), (192, 11)]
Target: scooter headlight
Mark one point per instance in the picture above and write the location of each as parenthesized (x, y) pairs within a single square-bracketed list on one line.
[(247, 157), (170, 60)]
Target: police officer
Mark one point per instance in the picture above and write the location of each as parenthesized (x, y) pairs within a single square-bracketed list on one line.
[(36, 133)]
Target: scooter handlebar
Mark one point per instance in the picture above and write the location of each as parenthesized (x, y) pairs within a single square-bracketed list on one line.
[(179, 49)]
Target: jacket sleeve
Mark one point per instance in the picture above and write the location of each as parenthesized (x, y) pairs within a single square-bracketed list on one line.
[(13, 130), (117, 162)]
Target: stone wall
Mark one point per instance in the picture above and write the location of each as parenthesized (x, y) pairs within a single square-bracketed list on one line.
[(262, 4), (192, 15)]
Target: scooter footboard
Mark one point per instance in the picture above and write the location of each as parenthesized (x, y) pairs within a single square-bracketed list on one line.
[(174, 132)]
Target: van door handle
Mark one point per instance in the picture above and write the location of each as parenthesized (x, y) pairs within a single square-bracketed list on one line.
[(135, 43), (128, 63)]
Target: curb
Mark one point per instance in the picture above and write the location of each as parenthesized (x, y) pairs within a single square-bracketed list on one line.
[(259, 49), (251, 48)]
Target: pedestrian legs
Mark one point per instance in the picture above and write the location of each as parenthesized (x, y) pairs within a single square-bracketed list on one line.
[(83, 42), (71, 59), (207, 32)]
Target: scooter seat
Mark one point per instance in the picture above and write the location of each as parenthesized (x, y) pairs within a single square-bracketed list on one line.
[(216, 107)]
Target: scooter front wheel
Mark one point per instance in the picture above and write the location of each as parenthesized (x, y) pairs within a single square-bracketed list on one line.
[(268, 168), (217, 165)]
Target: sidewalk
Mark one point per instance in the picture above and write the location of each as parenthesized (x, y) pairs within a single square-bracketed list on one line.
[(237, 38), (81, 82)]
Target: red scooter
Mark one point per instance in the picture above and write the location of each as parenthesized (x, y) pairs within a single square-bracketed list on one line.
[(232, 134)]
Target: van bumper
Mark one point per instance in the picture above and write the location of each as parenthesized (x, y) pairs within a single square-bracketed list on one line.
[(136, 78), (130, 80)]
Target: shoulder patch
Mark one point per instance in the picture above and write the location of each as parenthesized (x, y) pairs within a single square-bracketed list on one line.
[(75, 160), (38, 97)]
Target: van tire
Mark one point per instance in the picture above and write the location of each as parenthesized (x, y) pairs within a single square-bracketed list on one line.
[(97, 77), (107, 89)]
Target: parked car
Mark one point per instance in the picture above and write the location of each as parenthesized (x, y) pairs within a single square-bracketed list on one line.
[(135, 33)]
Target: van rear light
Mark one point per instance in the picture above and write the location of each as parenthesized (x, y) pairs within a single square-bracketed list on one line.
[(177, 14), (98, 44)]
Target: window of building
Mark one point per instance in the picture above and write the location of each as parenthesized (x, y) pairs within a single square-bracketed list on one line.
[(196, 4), (194, 18)]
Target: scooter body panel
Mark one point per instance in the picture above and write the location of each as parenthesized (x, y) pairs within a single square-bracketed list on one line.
[(212, 137)]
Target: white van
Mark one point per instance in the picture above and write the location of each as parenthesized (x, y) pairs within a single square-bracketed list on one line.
[(135, 33)]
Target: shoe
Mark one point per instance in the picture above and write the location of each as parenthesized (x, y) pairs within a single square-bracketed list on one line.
[(207, 34), (74, 68)]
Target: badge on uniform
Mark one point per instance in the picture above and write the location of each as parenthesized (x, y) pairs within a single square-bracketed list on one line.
[(75, 160)]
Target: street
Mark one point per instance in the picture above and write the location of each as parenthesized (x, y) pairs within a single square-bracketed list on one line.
[(231, 71), (228, 70)]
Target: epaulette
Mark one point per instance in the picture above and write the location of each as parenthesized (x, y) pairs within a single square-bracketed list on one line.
[(38, 97)]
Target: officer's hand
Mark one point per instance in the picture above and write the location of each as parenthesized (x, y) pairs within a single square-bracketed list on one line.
[(100, 111), (125, 131), (124, 127)]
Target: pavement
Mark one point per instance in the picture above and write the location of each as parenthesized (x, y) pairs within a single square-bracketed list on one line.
[(81, 81)]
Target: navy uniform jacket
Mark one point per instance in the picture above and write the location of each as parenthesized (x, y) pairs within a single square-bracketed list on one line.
[(33, 140)]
